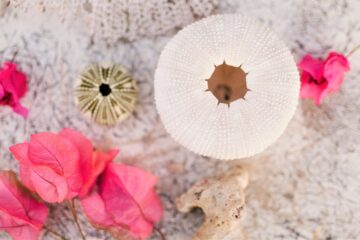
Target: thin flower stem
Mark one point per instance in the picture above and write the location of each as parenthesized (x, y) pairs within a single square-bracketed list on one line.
[(14, 56), (55, 233), (353, 51), (162, 236), (71, 205)]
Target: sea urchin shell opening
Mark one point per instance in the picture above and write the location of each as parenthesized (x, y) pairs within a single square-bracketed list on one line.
[(105, 89), (228, 83), (106, 92), (255, 58)]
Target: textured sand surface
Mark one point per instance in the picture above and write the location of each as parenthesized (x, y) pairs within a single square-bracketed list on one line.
[(305, 186)]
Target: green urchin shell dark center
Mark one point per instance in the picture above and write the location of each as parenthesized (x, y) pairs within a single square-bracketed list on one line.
[(107, 94), (104, 89)]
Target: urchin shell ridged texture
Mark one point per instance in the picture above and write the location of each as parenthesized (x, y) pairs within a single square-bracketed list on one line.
[(106, 93), (193, 116)]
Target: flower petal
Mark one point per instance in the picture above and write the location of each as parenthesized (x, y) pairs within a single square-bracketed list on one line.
[(20, 109), (13, 85), (20, 153), (313, 66), (336, 65), (311, 90), (135, 180), (83, 145), (127, 192), (140, 185), (94, 209), (13, 80), (59, 154), (24, 173), (10, 200), (152, 207), (2, 91), (20, 215), (53, 151), (99, 162), (38, 212), (50, 186), (17, 228)]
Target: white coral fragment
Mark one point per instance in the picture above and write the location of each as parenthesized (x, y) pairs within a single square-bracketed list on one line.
[(124, 19), (223, 201)]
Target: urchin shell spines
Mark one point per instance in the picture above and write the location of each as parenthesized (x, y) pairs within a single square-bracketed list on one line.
[(261, 112), (228, 83), (106, 93)]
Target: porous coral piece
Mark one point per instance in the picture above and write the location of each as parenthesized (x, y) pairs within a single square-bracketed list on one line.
[(222, 199), (123, 19)]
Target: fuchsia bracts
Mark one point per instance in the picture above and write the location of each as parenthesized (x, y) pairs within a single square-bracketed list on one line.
[(60, 166), (125, 203), (321, 77), (115, 197), (20, 214), (12, 88)]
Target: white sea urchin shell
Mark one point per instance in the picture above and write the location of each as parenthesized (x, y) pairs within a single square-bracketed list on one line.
[(195, 117), (106, 93)]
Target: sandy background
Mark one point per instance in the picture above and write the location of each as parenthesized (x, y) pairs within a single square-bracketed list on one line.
[(305, 186)]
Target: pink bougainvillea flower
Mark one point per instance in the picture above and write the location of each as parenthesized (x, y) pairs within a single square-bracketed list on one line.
[(93, 162), (125, 203), (59, 166), (20, 215), (12, 88), (321, 77)]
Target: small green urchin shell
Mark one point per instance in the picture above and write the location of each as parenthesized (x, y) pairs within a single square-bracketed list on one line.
[(107, 93)]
